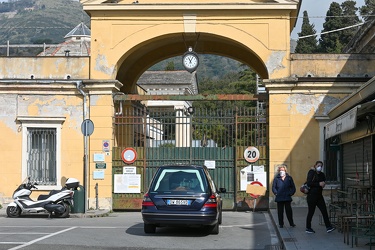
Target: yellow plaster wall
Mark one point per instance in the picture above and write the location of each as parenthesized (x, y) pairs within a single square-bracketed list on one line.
[(332, 65), (294, 136), (10, 160), (44, 67), (294, 131), (27, 105), (50, 98), (101, 112), (135, 33)]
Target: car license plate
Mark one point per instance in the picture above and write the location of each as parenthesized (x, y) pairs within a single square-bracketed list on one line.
[(179, 202)]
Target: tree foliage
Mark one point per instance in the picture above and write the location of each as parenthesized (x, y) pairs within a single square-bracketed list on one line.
[(308, 44), (221, 130), (338, 29), (170, 66), (29, 20), (330, 42), (242, 82), (368, 10), (11, 6), (349, 18)]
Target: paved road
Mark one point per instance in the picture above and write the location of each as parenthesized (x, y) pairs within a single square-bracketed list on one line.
[(239, 230)]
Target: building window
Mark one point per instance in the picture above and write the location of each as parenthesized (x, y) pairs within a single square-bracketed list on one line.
[(41, 155), (41, 150), (332, 162)]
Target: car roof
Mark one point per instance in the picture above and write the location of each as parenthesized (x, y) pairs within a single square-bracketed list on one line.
[(183, 166)]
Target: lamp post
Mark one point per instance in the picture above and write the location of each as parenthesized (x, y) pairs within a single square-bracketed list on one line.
[(190, 111)]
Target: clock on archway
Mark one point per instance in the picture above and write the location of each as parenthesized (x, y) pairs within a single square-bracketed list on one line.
[(190, 60)]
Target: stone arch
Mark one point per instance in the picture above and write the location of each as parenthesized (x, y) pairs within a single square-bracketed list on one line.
[(132, 65), (135, 53)]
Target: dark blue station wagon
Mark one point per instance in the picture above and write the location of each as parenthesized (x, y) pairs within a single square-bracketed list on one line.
[(182, 195)]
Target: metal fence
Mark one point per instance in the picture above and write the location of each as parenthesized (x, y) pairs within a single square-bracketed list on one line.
[(164, 136)]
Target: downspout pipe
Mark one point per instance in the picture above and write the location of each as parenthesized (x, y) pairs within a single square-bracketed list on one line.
[(79, 86), (120, 111)]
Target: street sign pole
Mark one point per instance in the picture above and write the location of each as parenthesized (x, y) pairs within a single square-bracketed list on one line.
[(85, 174), (87, 128)]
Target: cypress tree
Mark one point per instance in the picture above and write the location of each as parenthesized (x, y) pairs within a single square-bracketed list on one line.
[(349, 18), (308, 44), (367, 10), (330, 42)]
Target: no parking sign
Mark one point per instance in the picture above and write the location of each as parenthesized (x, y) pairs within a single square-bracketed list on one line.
[(251, 154), (129, 155)]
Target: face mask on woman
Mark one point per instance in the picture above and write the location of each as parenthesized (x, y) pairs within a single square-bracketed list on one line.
[(319, 168), (282, 173)]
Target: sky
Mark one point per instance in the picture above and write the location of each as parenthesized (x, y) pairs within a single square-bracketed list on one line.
[(317, 10)]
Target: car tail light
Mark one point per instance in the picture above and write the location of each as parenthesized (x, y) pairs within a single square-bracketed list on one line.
[(211, 202), (147, 202)]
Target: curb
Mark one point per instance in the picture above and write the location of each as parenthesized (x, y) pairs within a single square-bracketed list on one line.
[(282, 243), (91, 214), (88, 214)]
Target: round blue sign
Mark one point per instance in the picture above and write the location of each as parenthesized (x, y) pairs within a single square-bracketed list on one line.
[(87, 127)]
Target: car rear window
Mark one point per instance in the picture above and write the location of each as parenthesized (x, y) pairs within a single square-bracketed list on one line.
[(180, 180)]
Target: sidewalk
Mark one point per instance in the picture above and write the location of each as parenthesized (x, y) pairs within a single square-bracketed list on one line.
[(297, 238)]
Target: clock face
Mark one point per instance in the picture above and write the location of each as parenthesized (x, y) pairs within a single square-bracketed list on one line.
[(190, 61)]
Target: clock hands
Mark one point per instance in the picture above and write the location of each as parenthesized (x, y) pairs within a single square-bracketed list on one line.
[(190, 61)]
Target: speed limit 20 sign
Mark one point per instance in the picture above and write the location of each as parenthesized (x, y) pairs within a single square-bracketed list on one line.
[(251, 154)]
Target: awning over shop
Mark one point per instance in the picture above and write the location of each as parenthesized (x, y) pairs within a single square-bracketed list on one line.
[(348, 120), (342, 123)]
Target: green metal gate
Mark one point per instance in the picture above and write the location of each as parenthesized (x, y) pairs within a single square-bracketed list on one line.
[(169, 135)]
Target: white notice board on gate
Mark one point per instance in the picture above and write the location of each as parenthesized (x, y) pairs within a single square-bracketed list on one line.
[(251, 174), (127, 183)]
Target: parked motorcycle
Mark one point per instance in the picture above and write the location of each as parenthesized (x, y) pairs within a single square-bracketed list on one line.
[(56, 203)]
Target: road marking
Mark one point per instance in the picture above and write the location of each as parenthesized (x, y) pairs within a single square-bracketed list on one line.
[(25, 233), (12, 243), (87, 227), (32, 226), (244, 225), (42, 238), (54, 227)]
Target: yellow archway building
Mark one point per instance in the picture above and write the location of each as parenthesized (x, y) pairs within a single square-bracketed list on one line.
[(129, 37)]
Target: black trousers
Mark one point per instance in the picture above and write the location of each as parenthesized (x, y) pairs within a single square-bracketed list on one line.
[(288, 210), (314, 201)]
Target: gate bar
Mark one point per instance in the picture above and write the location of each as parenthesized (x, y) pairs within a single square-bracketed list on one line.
[(217, 97)]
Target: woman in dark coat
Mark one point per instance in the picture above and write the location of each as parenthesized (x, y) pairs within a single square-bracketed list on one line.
[(283, 188)]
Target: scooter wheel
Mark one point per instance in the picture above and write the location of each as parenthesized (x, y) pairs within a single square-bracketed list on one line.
[(65, 214), (13, 211)]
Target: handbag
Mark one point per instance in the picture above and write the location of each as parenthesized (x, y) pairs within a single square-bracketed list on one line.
[(304, 188)]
